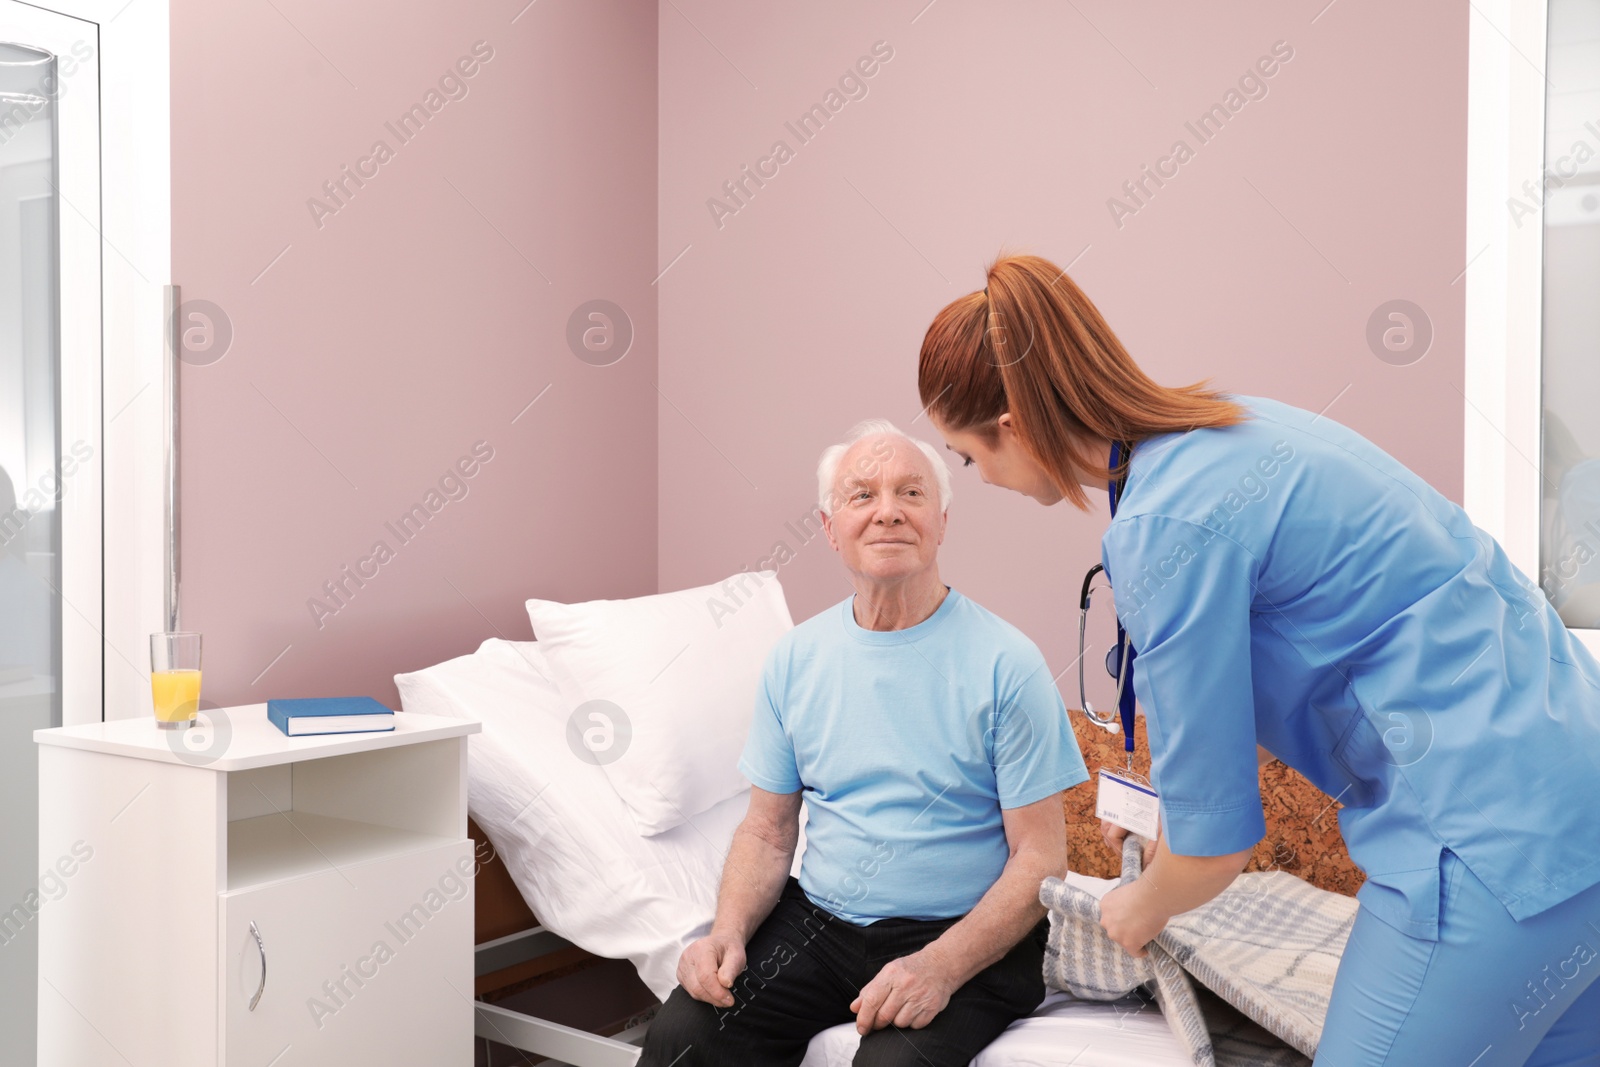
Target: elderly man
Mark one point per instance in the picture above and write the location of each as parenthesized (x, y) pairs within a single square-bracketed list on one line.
[(928, 738)]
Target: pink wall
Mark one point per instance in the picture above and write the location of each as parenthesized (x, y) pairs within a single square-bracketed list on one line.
[(426, 312), (417, 320), (1012, 125)]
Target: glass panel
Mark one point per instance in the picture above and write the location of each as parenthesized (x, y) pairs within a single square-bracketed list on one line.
[(31, 495), (1569, 551), (30, 491)]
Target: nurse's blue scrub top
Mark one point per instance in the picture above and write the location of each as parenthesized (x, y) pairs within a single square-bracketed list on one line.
[(1289, 584)]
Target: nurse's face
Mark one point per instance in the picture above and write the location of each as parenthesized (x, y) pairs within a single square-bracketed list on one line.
[(886, 523), (1006, 463)]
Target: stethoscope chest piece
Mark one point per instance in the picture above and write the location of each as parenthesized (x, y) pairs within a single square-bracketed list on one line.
[(1114, 660)]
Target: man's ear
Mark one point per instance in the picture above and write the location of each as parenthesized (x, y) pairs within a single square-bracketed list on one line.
[(827, 528)]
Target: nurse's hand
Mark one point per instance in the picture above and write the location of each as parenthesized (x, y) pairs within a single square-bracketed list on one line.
[(1128, 920), (1113, 835)]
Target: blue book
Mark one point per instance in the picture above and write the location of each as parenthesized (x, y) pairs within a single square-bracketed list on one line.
[(329, 715)]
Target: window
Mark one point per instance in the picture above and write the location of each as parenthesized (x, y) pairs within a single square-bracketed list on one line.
[(1569, 542), (1531, 256), (33, 490)]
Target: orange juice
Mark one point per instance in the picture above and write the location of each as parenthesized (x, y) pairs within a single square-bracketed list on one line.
[(176, 695)]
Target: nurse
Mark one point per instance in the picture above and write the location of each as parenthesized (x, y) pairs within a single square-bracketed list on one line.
[(1291, 589)]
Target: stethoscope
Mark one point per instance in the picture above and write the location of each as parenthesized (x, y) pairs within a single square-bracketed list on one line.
[(1119, 660)]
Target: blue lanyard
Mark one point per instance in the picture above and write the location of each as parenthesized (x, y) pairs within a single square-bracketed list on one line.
[(1125, 704)]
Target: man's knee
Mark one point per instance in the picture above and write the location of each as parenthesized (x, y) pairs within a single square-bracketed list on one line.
[(895, 1047), (680, 1032), (691, 1033)]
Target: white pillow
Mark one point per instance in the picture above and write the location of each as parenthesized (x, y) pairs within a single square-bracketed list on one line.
[(677, 673), (559, 827)]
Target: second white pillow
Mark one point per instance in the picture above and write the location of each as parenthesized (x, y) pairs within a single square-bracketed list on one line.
[(667, 686)]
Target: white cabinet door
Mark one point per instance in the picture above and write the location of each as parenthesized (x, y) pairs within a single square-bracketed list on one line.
[(370, 963)]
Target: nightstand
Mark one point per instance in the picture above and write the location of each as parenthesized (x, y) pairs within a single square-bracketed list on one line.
[(229, 895)]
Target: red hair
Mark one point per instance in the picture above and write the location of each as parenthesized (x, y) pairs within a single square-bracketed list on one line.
[(1033, 344)]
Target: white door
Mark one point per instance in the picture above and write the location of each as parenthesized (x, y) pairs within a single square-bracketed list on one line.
[(50, 446), (365, 964)]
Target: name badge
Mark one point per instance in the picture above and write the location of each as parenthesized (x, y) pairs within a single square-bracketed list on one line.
[(1132, 805)]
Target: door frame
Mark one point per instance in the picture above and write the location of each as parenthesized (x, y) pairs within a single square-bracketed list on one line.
[(135, 263)]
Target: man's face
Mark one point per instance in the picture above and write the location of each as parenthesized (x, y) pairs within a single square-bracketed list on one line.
[(886, 523)]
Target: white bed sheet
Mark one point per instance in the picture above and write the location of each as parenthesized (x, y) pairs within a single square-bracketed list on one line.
[(559, 826)]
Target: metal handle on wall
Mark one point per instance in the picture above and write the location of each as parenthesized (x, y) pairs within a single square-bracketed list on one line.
[(174, 345)]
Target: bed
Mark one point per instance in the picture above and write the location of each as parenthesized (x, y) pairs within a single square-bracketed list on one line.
[(591, 884)]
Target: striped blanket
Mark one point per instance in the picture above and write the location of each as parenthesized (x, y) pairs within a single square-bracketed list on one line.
[(1243, 980)]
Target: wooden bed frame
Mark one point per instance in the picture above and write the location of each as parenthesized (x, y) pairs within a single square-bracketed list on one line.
[(514, 953)]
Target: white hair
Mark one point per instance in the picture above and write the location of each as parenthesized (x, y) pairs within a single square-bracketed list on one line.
[(833, 455)]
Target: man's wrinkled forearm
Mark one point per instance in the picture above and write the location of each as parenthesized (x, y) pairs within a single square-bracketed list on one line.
[(998, 921), (753, 877)]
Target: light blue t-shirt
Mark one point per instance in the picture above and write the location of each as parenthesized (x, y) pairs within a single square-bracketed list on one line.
[(1286, 582), (907, 744)]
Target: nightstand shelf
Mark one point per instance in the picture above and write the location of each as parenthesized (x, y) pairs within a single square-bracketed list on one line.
[(281, 846)]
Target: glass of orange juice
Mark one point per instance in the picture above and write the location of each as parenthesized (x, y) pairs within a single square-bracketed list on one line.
[(175, 679)]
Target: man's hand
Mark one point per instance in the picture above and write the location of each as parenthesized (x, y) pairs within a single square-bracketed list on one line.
[(1114, 834), (1128, 921), (907, 992), (708, 967)]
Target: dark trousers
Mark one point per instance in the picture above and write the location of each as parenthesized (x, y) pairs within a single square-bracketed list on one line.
[(805, 965)]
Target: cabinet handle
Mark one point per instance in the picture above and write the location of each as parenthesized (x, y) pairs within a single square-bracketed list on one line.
[(261, 948)]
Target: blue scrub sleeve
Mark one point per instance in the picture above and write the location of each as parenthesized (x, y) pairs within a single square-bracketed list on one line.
[(768, 759), (1184, 592), (1034, 752)]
